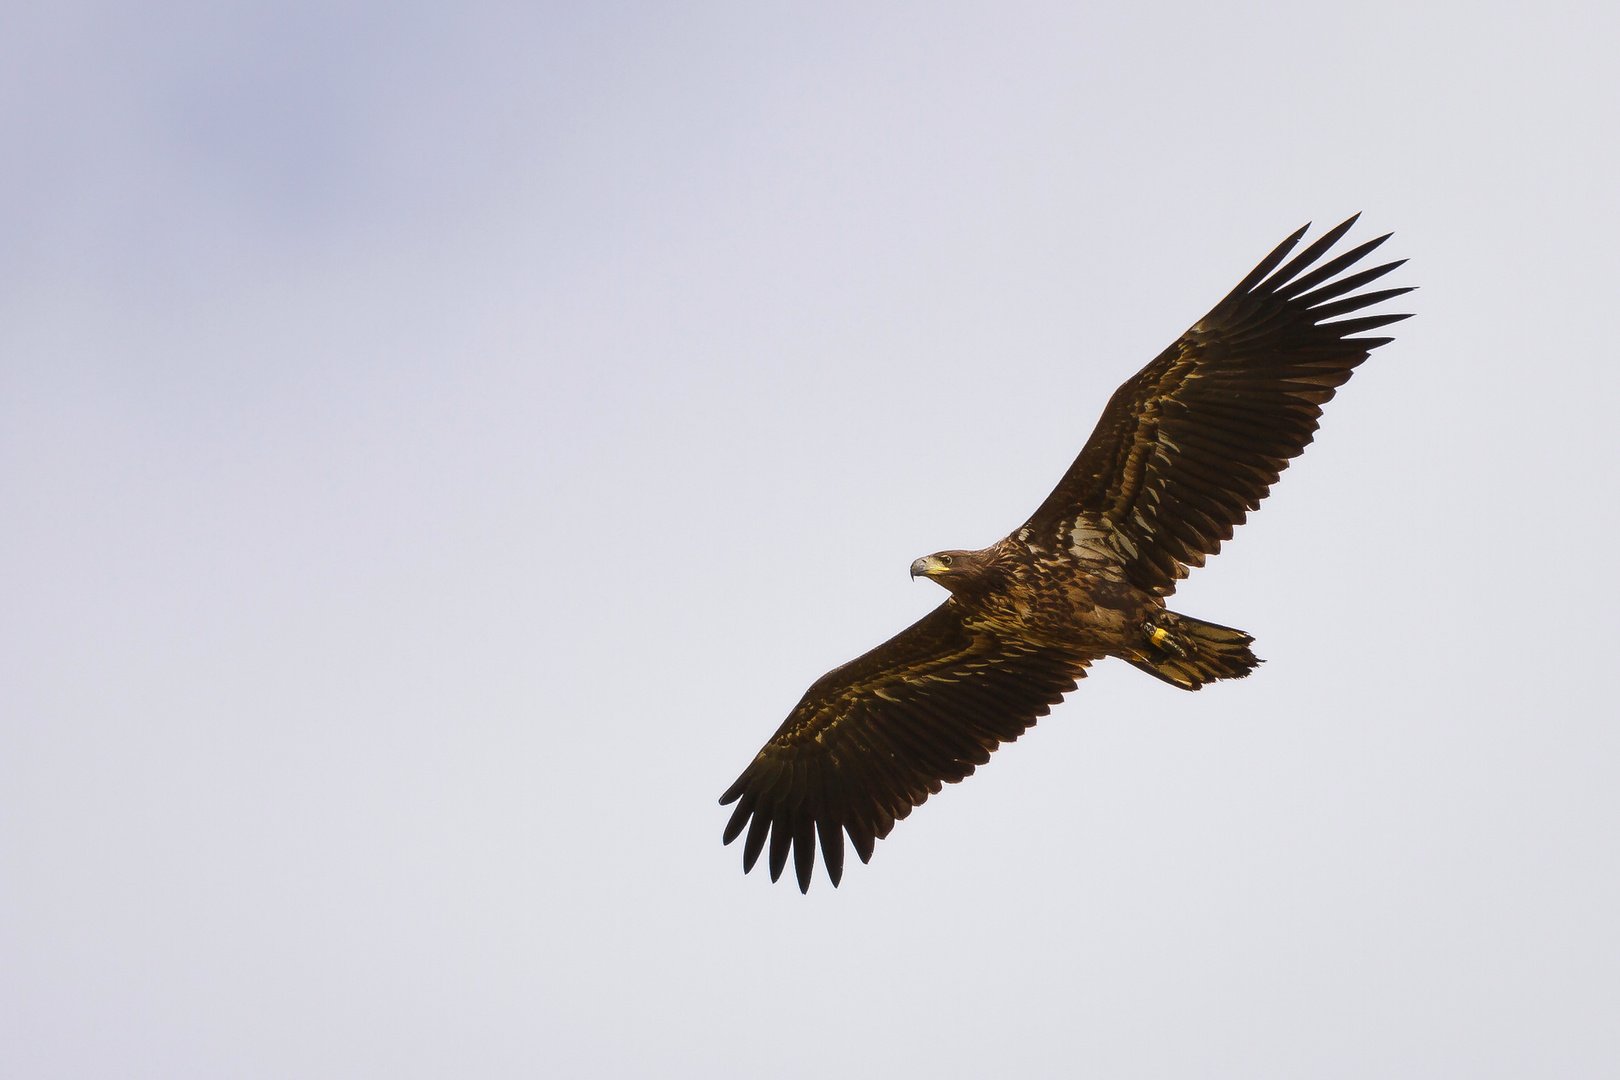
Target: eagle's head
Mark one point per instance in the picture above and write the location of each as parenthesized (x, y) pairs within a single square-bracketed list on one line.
[(958, 571)]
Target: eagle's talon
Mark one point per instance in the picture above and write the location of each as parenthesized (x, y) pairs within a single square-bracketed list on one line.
[(1162, 639)]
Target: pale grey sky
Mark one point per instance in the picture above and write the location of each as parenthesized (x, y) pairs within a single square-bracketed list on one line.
[(438, 445)]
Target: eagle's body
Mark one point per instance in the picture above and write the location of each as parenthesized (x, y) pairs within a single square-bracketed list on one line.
[(1184, 450), (1057, 598)]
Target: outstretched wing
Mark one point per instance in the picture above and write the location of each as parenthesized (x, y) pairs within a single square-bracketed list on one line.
[(875, 737), (1194, 441)]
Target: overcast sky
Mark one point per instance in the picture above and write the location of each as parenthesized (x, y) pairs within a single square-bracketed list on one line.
[(439, 444)]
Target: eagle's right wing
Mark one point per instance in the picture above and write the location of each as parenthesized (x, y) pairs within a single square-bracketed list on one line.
[(875, 737), (1192, 442)]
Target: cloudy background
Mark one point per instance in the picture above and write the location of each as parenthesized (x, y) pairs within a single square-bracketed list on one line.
[(438, 444)]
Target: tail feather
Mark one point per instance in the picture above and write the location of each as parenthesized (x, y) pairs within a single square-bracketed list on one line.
[(1188, 652)]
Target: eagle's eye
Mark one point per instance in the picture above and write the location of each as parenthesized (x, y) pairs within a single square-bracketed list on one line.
[(946, 559)]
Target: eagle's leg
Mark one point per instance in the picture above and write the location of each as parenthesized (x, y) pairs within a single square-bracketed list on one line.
[(1164, 640)]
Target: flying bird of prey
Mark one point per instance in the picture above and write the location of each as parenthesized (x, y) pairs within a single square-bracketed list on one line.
[(1185, 449)]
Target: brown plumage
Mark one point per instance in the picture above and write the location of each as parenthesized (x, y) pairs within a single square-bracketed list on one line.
[(1184, 450)]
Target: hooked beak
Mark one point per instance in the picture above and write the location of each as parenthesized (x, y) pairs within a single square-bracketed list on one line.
[(925, 566)]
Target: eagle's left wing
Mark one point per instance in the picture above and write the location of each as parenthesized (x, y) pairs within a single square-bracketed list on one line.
[(875, 737), (1193, 442)]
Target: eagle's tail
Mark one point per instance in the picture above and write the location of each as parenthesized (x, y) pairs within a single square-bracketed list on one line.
[(1188, 652)]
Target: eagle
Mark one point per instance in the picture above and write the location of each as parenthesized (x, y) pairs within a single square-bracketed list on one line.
[(1185, 449)]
